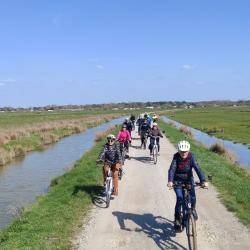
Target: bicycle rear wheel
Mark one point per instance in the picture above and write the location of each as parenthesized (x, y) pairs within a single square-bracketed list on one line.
[(155, 154), (191, 233)]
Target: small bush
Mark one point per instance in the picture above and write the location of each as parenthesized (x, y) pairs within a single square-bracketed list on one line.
[(218, 148), (186, 131)]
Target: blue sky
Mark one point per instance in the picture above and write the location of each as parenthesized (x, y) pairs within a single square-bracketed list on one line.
[(80, 52)]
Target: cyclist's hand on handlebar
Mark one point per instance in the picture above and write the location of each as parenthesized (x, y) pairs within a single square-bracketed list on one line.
[(98, 161), (170, 185)]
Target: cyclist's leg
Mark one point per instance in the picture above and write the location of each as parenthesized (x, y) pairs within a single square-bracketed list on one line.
[(115, 170), (105, 172), (151, 145), (158, 144), (179, 202)]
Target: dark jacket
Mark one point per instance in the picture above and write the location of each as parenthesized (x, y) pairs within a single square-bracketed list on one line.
[(181, 169), (111, 153), (128, 125), (145, 128)]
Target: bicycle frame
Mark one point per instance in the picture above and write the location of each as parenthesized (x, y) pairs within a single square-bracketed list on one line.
[(109, 186)]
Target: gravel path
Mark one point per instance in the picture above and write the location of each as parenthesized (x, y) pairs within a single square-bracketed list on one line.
[(141, 217)]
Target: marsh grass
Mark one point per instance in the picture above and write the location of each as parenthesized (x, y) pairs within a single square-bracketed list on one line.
[(16, 142), (221, 150), (186, 131)]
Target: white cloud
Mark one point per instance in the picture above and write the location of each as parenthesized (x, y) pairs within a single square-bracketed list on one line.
[(188, 67), (7, 81), (99, 66)]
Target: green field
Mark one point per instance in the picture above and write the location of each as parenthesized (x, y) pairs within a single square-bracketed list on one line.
[(231, 182), (18, 119), (231, 123)]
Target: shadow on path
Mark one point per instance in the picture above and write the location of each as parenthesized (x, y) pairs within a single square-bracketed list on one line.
[(143, 159), (94, 191), (159, 229)]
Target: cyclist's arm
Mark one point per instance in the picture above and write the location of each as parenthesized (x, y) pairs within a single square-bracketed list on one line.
[(102, 154), (172, 170), (118, 136), (118, 151), (197, 169)]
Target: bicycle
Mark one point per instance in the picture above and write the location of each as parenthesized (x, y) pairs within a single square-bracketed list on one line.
[(155, 149), (109, 184), (187, 219)]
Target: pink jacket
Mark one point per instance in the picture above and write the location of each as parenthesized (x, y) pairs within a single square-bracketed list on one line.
[(123, 136)]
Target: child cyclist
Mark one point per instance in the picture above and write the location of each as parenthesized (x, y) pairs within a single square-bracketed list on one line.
[(181, 172)]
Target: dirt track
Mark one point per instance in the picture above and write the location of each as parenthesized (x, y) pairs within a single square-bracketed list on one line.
[(141, 217)]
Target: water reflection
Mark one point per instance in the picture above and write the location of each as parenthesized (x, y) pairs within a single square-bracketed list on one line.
[(241, 151)]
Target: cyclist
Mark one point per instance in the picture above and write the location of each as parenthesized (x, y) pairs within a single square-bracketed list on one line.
[(129, 126), (139, 122), (154, 131), (124, 137), (155, 118), (132, 119), (180, 172), (145, 128), (111, 154), (148, 119)]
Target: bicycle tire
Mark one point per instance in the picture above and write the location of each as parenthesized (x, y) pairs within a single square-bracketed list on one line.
[(108, 194), (191, 233), (155, 154)]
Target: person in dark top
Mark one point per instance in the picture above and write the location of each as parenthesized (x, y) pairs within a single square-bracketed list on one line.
[(111, 156), (144, 131), (154, 132), (181, 172), (128, 124)]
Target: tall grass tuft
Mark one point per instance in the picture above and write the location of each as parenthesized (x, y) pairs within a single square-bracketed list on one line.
[(186, 131), (221, 150)]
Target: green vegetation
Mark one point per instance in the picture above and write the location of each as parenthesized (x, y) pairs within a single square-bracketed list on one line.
[(232, 182), (231, 123), (54, 218)]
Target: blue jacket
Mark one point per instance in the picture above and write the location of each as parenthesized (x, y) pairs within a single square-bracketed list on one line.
[(182, 169)]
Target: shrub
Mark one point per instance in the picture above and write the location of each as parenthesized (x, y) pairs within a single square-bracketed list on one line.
[(186, 131)]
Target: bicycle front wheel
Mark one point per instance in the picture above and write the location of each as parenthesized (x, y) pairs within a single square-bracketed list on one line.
[(191, 233), (155, 152), (108, 193)]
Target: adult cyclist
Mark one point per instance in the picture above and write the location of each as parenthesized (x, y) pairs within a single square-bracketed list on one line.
[(124, 137), (111, 156), (154, 132), (144, 131), (181, 172)]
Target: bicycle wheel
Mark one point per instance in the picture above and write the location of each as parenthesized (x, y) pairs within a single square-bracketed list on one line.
[(155, 154), (108, 193), (191, 233)]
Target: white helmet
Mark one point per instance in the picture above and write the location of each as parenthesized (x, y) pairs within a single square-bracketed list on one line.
[(183, 146), (155, 124), (111, 137)]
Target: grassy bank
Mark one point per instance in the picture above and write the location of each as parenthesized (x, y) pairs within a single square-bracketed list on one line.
[(232, 182), (16, 142), (54, 218), (231, 123)]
